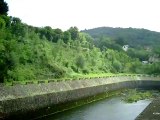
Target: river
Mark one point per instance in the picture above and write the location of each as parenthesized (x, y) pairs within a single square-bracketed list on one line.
[(106, 109)]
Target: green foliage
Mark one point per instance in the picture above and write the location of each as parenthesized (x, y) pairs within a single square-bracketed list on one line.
[(67, 36), (58, 72), (120, 41), (2, 23), (131, 36), (117, 65), (142, 43), (141, 54), (80, 62), (74, 33), (133, 95), (21, 73), (154, 68), (3, 7), (32, 53)]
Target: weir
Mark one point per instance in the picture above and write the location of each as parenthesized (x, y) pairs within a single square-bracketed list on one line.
[(37, 100)]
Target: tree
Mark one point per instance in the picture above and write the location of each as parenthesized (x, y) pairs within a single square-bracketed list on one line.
[(58, 34), (66, 36), (74, 33), (18, 28), (48, 32), (3, 7), (7, 21), (121, 41), (117, 65), (2, 23), (80, 63)]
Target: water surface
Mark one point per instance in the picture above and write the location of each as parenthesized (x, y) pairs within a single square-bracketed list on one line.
[(106, 109)]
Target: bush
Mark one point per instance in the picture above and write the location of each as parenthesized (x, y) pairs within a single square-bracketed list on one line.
[(85, 71), (80, 62), (74, 68), (21, 73), (117, 65), (58, 71)]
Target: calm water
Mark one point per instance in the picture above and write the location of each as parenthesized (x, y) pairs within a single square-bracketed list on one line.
[(107, 109)]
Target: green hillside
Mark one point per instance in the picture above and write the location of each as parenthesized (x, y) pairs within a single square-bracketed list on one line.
[(143, 43), (132, 36), (41, 53)]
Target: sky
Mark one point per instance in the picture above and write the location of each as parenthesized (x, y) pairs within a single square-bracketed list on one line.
[(86, 14)]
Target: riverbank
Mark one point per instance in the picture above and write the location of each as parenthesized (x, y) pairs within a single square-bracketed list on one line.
[(41, 99)]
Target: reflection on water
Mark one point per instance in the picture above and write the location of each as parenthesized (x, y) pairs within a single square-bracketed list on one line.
[(107, 109)]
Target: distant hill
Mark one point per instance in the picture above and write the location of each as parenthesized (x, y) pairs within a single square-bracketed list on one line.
[(131, 36)]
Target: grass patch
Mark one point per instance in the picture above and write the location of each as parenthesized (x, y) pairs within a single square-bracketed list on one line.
[(73, 76)]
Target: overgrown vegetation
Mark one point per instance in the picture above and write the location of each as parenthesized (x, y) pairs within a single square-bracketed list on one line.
[(142, 44), (133, 95), (32, 53), (138, 39)]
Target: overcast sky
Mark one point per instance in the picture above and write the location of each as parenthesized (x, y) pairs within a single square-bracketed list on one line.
[(88, 13)]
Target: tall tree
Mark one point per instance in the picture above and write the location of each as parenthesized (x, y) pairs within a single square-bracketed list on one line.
[(3, 7), (74, 33)]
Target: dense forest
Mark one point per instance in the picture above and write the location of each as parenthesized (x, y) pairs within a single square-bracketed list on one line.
[(34, 53), (142, 43)]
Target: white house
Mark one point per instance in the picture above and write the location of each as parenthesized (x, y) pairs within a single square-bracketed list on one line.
[(125, 47)]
